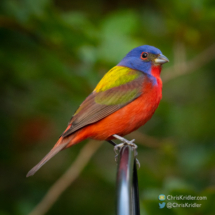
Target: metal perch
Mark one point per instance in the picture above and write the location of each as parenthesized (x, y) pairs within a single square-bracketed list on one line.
[(127, 183)]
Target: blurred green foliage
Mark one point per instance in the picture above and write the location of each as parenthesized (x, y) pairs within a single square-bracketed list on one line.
[(52, 54)]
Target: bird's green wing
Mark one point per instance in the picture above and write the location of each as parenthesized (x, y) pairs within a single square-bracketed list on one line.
[(117, 88)]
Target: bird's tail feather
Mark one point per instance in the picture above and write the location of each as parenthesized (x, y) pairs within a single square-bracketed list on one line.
[(61, 144)]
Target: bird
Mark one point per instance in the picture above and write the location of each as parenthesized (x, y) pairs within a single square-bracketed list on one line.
[(124, 100)]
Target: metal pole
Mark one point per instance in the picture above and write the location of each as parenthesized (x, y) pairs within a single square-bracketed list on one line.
[(125, 205), (135, 192)]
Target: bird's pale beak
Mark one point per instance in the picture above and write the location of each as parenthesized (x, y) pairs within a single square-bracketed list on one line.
[(161, 59)]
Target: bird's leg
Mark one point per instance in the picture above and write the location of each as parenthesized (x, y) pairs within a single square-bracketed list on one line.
[(125, 142), (111, 142)]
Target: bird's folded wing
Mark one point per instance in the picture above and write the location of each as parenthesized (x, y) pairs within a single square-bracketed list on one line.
[(108, 98)]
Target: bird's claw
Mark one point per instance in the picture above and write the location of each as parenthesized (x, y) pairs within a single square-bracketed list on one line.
[(118, 147), (137, 162)]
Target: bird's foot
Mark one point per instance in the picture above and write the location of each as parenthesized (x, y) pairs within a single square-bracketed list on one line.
[(124, 142), (118, 147)]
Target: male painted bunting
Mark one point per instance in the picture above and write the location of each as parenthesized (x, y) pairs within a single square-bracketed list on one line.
[(124, 99)]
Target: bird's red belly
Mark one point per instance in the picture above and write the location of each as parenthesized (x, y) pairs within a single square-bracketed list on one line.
[(125, 120)]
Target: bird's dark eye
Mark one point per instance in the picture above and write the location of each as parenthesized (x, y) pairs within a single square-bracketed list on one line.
[(144, 55)]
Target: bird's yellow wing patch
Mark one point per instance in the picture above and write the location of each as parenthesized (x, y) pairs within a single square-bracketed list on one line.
[(115, 77)]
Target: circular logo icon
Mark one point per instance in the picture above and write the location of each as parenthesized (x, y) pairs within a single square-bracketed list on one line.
[(162, 197)]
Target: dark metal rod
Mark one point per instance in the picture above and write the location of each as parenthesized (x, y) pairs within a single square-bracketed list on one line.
[(124, 181), (135, 193)]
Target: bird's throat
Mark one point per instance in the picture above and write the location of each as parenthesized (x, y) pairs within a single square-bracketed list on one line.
[(156, 70)]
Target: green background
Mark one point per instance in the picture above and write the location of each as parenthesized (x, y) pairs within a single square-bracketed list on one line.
[(52, 55)]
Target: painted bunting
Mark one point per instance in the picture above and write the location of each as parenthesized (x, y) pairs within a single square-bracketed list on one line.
[(124, 99)]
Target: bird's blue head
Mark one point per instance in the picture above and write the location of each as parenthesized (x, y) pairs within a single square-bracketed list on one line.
[(143, 58)]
